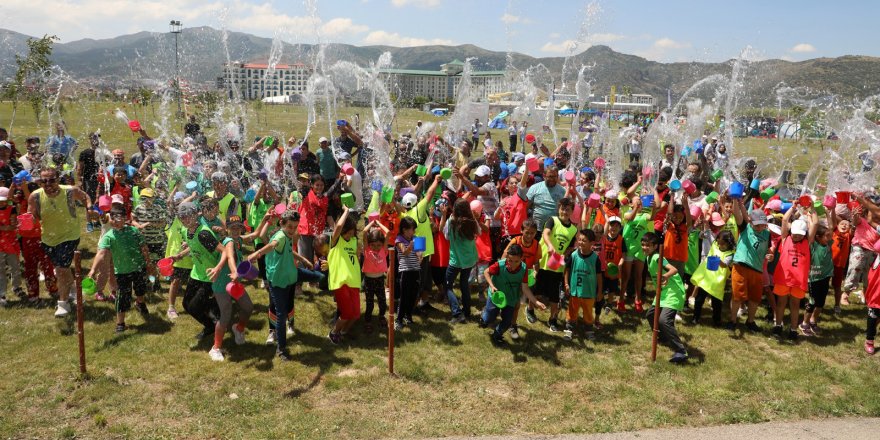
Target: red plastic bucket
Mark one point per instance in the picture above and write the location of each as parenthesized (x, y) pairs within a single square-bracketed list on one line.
[(134, 125), (166, 267), (235, 289), (843, 197), (26, 222)]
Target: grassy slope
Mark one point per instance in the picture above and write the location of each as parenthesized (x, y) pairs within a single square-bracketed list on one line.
[(156, 381)]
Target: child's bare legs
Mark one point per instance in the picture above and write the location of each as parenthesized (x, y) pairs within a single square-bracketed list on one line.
[(173, 289), (624, 281), (638, 269), (794, 305)]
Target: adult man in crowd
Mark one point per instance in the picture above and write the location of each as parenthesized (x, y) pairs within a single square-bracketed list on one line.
[(544, 196), (192, 128), (55, 206), (60, 143), (512, 136), (327, 163), (32, 160)]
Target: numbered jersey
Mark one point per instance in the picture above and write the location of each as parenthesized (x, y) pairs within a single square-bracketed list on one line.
[(561, 236), (793, 269), (345, 268), (612, 252)]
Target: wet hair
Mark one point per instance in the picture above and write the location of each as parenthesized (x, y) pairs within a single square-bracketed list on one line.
[(651, 238), (291, 215), (598, 230), (376, 235), (120, 170), (349, 225), (588, 234), (515, 250), (316, 177), (566, 202), (726, 237), (463, 222), (821, 230), (529, 224), (551, 167), (208, 202), (665, 174), (628, 179), (407, 223), (590, 175), (117, 211), (668, 146)]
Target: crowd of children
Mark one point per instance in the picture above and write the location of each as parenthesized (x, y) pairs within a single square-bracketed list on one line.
[(524, 232)]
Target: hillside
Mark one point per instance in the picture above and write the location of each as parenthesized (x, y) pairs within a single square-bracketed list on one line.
[(149, 57)]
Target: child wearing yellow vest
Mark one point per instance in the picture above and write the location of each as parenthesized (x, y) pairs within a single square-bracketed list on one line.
[(345, 274), (711, 283)]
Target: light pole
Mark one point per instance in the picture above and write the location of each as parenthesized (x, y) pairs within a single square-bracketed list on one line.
[(175, 28)]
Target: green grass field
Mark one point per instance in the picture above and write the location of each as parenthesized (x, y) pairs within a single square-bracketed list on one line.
[(156, 380)]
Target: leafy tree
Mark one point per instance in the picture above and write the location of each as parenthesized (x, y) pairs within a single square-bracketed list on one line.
[(31, 75)]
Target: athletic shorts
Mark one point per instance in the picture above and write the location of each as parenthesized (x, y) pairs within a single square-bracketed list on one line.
[(61, 255), (748, 283), (575, 304), (348, 302), (818, 293), (611, 286), (781, 290), (547, 285), (181, 274)]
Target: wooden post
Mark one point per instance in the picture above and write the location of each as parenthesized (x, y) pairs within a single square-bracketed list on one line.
[(658, 288), (391, 259), (77, 279)]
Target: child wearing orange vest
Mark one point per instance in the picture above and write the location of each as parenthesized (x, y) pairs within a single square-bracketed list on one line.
[(9, 248), (793, 271)]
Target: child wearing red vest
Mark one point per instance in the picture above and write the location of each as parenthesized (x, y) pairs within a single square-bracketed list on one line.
[(9, 249), (35, 259), (792, 274), (872, 299)]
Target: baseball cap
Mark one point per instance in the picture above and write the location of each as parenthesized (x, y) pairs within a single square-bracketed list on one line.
[(613, 219), (322, 139), (518, 157), (758, 217), (714, 138), (410, 200), (148, 192), (4, 193), (717, 220), (483, 171), (799, 227), (117, 198), (5, 144), (611, 194)]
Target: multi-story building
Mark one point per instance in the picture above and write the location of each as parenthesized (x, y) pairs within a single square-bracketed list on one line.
[(254, 80), (440, 85)]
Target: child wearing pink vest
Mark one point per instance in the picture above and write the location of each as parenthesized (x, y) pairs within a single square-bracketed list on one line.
[(792, 274), (374, 269)]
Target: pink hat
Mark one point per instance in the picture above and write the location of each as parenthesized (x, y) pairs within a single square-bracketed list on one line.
[(696, 211), (117, 198), (717, 220), (477, 207), (774, 205)]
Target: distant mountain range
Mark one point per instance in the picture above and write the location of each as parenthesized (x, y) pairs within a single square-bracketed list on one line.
[(148, 57)]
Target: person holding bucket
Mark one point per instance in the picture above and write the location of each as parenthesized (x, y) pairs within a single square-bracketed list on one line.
[(35, 259), (408, 272), (55, 206), (710, 277), (9, 248), (131, 264), (557, 243), (507, 280)]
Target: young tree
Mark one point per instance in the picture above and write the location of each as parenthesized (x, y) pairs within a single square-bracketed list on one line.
[(31, 75)]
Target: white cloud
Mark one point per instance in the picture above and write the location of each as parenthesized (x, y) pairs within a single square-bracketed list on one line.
[(340, 25), (555, 35), (664, 50), (803, 48), (385, 38), (569, 46), (563, 47), (511, 19), (417, 3), (668, 43)]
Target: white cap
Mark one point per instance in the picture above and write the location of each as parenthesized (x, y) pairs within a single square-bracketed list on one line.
[(611, 194), (322, 139), (614, 218), (4, 193), (483, 171), (798, 227), (410, 200), (714, 138)]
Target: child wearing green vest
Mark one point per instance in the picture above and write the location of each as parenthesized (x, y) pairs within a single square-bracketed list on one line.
[(671, 297), (556, 244), (711, 283), (282, 275), (130, 259), (345, 274), (507, 278), (182, 266), (582, 283)]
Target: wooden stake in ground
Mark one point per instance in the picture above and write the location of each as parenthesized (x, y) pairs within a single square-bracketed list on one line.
[(77, 279), (391, 283), (657, 287)]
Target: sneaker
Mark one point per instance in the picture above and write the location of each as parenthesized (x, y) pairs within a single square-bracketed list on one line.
[(100, 297), (815, 328), (205, 333), (777, 330), (607, 309), (283, 356), (216, 355), (806, 330), (407, 321), (679, 358), (792, 335), (482, 324), (142, 309), (869, 347), (678, 318), (90, 227), (426, 308), (639, 308), (621, 306), (530, 316), (368, 328), (172, 313), (498, 342), (398, 326), (270, 338), (753, 327), (458, 319), (731, 326), (336, 338), (554, 326), (120, 328), (63, 309), (290, 329), (3, 301), (514, 333), (591, 335), (238, 334), (837, 310), (567, 335)]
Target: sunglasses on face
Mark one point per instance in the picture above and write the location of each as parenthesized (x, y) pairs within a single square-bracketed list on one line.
[(51, 181)]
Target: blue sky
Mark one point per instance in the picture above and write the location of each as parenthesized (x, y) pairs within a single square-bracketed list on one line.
[(657, 30)]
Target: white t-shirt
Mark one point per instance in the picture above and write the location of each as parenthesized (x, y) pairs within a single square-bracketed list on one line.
[(355, 183), (511, 131)]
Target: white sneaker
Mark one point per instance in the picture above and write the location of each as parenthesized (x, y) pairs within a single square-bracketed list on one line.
[(567, 335), (238, 334), (216, 355), (172, 313), (62, 310), (270, 340), (514, 333), (3, 301), (289, 330), (692, 301), (678, 318)]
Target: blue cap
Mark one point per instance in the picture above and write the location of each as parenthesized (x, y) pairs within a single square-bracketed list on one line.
[(436, 169)]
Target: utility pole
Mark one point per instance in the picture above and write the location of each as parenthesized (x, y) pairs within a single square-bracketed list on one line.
[(175, 28)]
